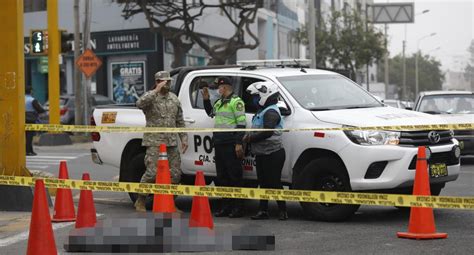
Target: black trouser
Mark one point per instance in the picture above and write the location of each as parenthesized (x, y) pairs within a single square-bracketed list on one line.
[(29, 141), (229, 172), (269, 169)]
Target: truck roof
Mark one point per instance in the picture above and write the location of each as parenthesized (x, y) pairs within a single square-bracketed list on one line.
[(445, 92), (270, 71)]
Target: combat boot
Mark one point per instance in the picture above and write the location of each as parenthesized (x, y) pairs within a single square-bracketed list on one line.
[(140, 204)]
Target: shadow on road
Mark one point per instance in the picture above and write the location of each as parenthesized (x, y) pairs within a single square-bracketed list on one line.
[(467, 161)]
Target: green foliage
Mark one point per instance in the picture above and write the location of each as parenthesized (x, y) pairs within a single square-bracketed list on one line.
[(430, 76), (344, 41)]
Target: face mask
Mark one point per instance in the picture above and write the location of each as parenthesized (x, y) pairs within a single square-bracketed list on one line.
[(165, 89), (255, 100)]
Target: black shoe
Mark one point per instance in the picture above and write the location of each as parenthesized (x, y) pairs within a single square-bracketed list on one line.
[(222, 213), (283, 216), (261, 215), (31, 154), (236, 213)]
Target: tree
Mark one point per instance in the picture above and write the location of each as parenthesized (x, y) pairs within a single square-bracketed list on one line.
[(344, 41), (161, 13), (430, 76), (469, 71)]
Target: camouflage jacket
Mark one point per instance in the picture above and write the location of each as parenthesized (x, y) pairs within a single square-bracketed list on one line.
[(162, 111)]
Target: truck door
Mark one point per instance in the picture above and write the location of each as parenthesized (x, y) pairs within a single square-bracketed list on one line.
[(200, 154)]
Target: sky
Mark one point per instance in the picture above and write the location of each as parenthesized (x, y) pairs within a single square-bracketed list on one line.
[(451, 20)]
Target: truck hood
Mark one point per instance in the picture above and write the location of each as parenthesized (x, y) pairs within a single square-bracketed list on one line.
[(457, 118), (377, 116)]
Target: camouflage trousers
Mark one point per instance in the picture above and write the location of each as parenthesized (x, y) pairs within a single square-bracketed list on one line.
[(151, 159)]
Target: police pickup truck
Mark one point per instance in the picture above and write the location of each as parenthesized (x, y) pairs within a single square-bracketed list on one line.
[(359, 160)]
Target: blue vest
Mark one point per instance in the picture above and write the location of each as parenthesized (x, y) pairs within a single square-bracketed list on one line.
[(272, 143), (29, 104)]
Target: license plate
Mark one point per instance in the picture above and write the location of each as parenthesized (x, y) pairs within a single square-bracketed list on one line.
[(438, 170), (461, 145), (108, 117)]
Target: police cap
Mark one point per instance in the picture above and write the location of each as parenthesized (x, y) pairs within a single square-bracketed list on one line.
[(223, 81)]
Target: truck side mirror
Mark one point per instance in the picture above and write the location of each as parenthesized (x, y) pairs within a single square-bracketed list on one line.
[(284, 110)]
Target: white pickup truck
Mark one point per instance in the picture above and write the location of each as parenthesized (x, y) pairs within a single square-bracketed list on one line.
[(381, 161)]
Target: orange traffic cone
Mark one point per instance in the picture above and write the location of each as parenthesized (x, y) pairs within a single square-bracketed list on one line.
[(200, 211), (421, 225), (63, 205), (163, 203), (86, 210), (41, 236)]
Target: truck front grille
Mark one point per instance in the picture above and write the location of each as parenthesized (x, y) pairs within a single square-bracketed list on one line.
[(447, 158), (423, 138)]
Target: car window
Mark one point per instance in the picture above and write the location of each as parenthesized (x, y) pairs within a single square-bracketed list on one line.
[(250, 107), (323, 92), (447, 104), (196, 90)]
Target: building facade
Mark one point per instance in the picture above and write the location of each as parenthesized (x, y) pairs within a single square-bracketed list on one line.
[(131, 53)]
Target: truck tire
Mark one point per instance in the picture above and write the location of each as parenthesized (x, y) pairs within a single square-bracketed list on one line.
[(134, 171), (325, 174)]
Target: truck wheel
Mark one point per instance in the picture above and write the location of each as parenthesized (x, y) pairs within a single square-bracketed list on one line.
[(325, 174), (135, 169)]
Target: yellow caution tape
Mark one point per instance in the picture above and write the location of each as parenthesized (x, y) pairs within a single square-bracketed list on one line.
[(249, 193), (124, 129)]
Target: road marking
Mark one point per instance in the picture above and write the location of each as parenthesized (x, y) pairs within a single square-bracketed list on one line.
[(53, 157), (46, 160), (36, 166), (24, 235)]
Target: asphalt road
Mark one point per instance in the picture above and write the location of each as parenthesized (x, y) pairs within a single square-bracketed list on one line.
[(372, 230)]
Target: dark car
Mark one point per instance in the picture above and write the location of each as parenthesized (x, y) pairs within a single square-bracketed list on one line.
[(455, 107), (67, 107)]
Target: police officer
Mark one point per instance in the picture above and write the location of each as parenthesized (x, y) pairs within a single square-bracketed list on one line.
[(162, 109), (32, 110), (228, 112), (267, 145)]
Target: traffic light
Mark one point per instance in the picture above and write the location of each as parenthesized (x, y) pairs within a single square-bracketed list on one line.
[(38, 41), (66, 41)]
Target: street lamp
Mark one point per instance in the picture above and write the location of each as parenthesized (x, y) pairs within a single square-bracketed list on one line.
[(404, 94), (416, 60)]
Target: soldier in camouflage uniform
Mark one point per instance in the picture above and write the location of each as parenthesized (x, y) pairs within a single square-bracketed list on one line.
[(162, 109)]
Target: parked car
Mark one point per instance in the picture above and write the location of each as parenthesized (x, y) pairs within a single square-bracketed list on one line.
[(454, 107), (395, 103), (67, 107)]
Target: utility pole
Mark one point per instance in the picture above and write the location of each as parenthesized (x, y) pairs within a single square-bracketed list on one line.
[(86, 44), (79, 110), (367, 30), (404, 87), (386, 61), (312, 33), (53, 61)]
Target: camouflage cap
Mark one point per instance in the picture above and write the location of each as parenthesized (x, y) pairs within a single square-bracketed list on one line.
[(163, 75)]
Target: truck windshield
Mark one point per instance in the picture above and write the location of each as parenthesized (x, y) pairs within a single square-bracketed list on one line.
[(447, 104), (327, 92)]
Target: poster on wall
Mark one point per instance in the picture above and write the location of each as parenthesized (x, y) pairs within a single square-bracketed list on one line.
[(128, 81)]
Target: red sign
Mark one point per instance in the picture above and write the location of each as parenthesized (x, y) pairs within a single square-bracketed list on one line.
[(88, 63)]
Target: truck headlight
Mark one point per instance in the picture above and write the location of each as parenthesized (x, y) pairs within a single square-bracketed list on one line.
[(373, 137)]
